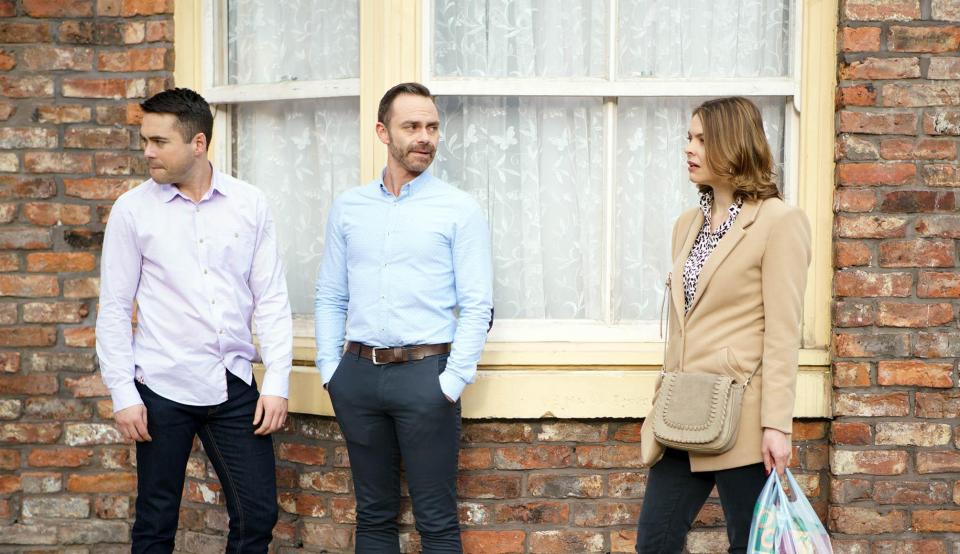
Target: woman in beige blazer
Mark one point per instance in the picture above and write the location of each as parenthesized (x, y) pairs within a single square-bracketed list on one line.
[(739, 269)]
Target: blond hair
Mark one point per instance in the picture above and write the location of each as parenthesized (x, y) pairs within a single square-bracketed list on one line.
[(737, 148)]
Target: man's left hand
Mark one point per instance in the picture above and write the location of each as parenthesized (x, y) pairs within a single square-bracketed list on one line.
[(272, 411)]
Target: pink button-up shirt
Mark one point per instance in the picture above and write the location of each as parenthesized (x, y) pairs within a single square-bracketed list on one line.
[(199, 274)]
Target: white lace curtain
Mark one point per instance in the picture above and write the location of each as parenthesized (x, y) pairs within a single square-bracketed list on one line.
[(537, 164), (300, 153)]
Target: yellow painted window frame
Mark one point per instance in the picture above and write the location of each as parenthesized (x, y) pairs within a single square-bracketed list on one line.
[(578, 380)]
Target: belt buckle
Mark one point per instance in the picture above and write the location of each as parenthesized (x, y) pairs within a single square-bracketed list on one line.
[(373, 356)]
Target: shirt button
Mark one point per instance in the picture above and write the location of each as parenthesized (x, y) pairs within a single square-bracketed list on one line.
[(213, 301), (198, 208), (236, 235), (219, 331), (204, 271), (201, 241)]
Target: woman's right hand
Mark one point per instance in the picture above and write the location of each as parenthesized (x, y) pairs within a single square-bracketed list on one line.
[(776, 450)]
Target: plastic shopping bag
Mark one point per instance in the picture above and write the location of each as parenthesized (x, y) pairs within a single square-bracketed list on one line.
[(785, 523)]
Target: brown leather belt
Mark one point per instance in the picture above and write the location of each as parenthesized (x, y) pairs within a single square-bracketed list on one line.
[(397, 354)]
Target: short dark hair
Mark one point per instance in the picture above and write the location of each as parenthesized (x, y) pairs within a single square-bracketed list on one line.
[(383, 112), (191, 110)]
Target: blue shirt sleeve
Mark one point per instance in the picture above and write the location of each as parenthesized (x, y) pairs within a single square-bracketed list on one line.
[(332, 297)]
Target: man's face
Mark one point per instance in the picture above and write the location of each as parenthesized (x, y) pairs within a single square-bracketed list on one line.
[(169, 157), (412, 132)]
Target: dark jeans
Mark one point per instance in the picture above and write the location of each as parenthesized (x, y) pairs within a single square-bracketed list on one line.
[(243, 461), (391, 411), (675, 495)]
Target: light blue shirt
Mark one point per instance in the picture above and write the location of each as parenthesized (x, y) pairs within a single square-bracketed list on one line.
[(396, 269)]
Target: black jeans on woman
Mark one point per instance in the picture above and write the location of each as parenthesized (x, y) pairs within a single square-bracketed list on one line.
[(675, 495)]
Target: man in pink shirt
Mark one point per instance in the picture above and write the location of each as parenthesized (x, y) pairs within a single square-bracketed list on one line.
[(196, 251)]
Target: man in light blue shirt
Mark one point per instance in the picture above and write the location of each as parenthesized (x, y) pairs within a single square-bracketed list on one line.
[(406, 281)]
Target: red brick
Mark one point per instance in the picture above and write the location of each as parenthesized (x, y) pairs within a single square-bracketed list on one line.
[(61, 361), (934, 284), (848, 433), (80, 87), (27, 187), (28, 336), (912, 434), (48, 214), (871, 405), (914, 373), (59, 457), (9, 460), (323, 536), (879, 123), (159, 31), (938, 405), (83, 239), (28, 384), (917, 253), (112, 507), (8, 8), (10, 361), (23, 238), (941, 122), (602, 456), (88, 386), (881, 68), (860, 39), (854, 200), (96, 137), (475, 458), (24, 32), (87, 287), (944, 68), (57, 409), (58, 8), (888, 10), (27, 137), (857, 95), (907, 314), (157, 85), (113, 482), (945, 10), (79, 337), (60, 262), (28, 285), (7, 61), (330, 481), (57, 58), (57, 162), (500, 485), (493, 542), (110, 8), (937, 345), (936, 521), (26, 86), (112, 163), (853, 314), (919, 201), (9, 261), (562, 542), (628, 432), (935, 40), (26, 433), (302, 504), (146, 7), (851, 374), (72, 113), (533, 457), (923, 149), (133, 32), (866, 521), (850, 253), (533, 513), (98, 188), (605, 514), (915, 95), (302, 454), (873, 226), (343, 510), (870, 462), (565, 486), (941, 175), (497, 432), (911, 492), (573, 432), (9, 484), (870, 284), (944, 226), (860, 174), (140, 59)]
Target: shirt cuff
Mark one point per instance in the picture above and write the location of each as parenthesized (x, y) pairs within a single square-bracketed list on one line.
[(276, 383), (327, 370), (125, 396), (451, 385)]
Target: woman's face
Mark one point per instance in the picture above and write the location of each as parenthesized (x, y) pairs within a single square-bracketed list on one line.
[(700, 173)]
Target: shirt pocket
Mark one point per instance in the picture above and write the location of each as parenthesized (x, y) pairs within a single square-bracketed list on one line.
[(235, 247)]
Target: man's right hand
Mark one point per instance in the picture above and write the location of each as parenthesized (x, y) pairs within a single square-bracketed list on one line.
[(132, 423)]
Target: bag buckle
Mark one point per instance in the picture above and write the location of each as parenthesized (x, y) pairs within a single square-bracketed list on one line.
[(373, 356)]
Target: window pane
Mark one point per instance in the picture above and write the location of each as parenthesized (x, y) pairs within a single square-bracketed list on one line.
[(301, 154), (528, 38), (703, 38), (535, 165), (293, 40), (653, 189)]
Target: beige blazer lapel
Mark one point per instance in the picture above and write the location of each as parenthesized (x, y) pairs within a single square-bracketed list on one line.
[(676, 276), (726, 245)]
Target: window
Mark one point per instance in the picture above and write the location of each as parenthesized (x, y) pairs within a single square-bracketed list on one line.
[(284, 80), (567, 122)]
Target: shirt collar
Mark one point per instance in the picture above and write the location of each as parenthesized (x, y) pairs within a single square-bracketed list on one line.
[(168, 192), (706, 206), (411, 188)]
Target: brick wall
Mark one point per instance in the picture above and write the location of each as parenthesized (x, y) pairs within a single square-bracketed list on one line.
[(894, 441), (71, 74)]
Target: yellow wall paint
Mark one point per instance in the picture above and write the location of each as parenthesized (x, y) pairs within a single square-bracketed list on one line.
[(187, 22)]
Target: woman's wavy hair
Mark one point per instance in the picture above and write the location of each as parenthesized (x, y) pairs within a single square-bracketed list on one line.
[(737, 148)]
